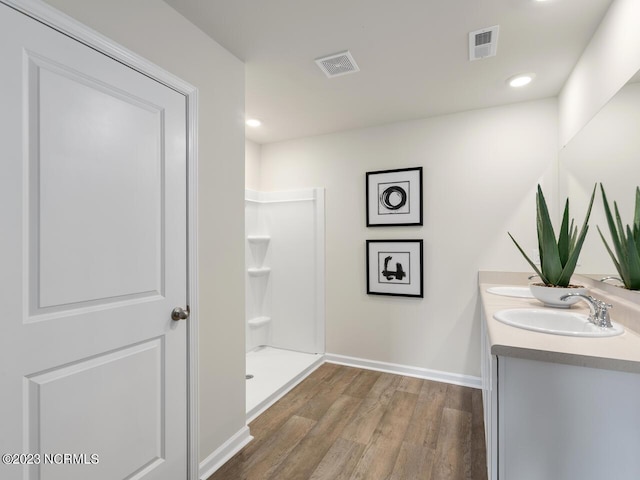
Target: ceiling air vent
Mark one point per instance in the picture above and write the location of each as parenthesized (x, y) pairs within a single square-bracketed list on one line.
[(483, 43), (337, 64)]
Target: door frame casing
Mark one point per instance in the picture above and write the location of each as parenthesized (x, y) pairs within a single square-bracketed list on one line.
[(70, 27)]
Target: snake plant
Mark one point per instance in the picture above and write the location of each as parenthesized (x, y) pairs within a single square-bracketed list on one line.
[(626, 243), (558, 258)]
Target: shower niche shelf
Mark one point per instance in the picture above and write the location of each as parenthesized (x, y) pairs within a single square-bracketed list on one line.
[(258, 321), (258, 271), (258, 239)]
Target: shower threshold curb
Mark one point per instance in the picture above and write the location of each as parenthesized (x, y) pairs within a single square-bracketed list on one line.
[(286, 388)]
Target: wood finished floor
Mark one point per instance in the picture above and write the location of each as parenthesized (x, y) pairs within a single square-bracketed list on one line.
[(344, 423)]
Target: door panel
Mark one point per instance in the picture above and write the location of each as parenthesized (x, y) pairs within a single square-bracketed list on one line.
[(86, 233), (56, 420), (93, 255)]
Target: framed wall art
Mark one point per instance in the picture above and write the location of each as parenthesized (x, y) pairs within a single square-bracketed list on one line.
[(394, 197), (394, 267)]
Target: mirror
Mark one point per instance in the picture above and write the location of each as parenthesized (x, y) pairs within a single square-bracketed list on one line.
[(606, 150)]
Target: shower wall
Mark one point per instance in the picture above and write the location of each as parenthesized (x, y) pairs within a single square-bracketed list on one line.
[(285, 269)]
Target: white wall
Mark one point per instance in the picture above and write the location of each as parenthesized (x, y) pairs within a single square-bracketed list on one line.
[(609, 61), (157, 32), (252, 165), (480, 173)]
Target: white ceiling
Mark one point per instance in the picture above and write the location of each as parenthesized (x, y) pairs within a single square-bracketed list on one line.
[(412, 54)]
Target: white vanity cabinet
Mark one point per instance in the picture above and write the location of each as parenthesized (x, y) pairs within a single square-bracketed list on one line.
[(489, 370), (554, 421)]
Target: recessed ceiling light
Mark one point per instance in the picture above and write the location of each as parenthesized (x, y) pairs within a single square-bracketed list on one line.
[(254, 122), (521, 80)]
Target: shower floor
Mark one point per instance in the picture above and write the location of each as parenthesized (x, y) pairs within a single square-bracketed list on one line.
[(275, 371)]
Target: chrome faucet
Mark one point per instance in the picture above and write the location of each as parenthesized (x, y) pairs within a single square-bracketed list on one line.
[(599, 310)]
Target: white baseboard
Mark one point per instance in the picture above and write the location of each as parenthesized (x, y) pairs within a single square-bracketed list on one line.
[(436, 375), (222, 454)]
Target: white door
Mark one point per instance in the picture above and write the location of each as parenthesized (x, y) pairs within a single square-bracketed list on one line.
[(93, 370)]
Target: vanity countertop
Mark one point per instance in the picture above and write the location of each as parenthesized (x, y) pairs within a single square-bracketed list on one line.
[(620, 353)]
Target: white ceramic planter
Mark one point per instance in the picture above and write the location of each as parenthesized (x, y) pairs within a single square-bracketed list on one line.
[(550, 296)]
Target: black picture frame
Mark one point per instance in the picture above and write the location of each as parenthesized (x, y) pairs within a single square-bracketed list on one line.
[(395, 268), (394, 197)]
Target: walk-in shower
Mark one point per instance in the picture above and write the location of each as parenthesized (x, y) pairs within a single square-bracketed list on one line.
[(284, 291)]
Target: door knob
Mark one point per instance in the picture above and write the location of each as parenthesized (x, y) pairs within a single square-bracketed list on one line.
[(179, 313)]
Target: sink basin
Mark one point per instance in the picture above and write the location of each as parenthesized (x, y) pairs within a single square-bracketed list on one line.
[(555, 322), (506, 291)]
